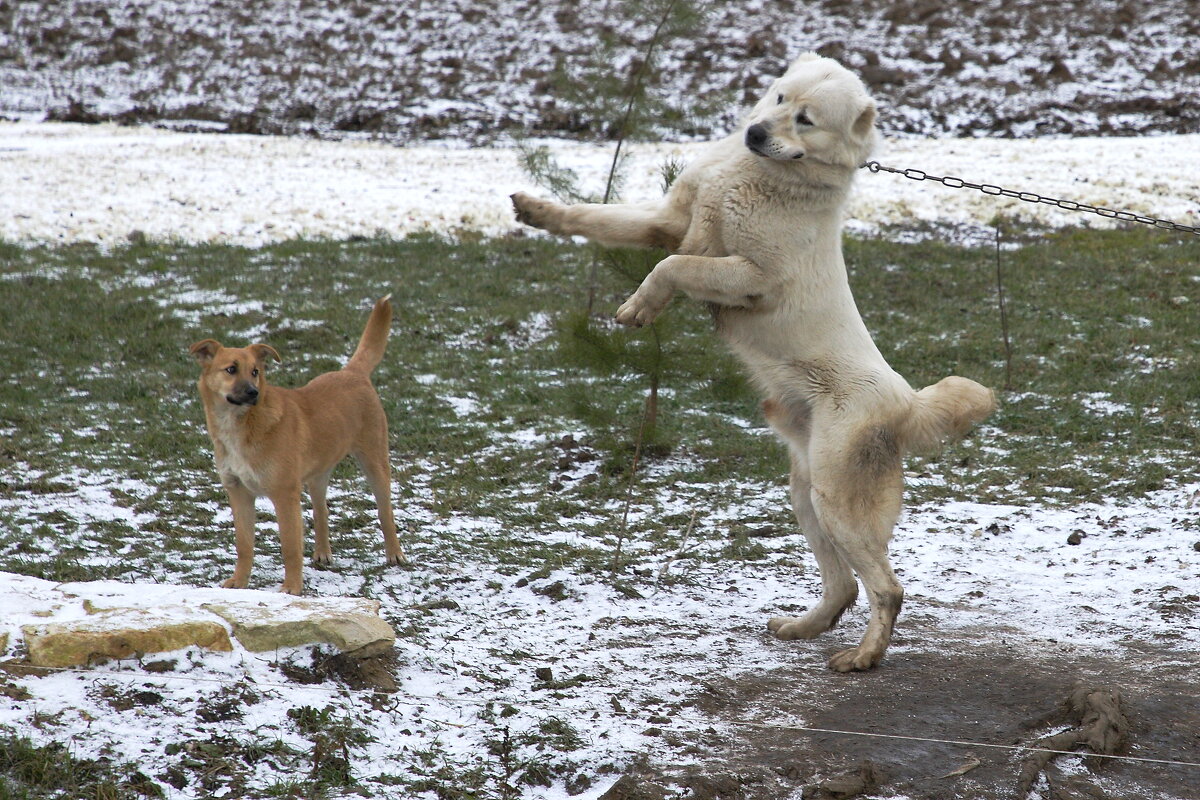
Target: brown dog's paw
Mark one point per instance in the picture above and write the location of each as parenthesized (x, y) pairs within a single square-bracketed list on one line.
[(397, 560), (536, 213), (235, 583), (854, 660)]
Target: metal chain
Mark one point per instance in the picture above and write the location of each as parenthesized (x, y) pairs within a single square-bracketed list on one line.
[(1033, 197)]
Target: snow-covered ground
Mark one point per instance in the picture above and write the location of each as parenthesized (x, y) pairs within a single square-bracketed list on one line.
[(465, 70), (1131, 579), (101, 183), (1003, 572)]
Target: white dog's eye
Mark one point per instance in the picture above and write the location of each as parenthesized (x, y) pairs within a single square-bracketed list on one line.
[(802, 118), (780, 101)]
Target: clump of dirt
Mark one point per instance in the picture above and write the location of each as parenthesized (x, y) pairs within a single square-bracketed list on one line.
[(1100, 725), (631, 787), (226, 705), (375, 673), (854, 783), (124, 699), (13, 691)]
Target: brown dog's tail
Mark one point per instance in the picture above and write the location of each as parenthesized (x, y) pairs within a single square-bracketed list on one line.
[(370, 348), (944, 412)]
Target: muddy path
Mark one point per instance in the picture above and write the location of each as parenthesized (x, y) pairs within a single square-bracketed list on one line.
[(972, 686)]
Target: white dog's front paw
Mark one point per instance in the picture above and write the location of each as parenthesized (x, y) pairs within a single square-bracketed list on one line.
[(543, 214), (643, 306)]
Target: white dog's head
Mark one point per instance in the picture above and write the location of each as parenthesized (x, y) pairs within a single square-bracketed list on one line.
[(817, 111)]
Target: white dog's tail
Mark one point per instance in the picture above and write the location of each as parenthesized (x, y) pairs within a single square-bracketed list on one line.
[(944, 412)]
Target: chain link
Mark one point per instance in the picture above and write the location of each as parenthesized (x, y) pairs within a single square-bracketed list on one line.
[(1033, 197)]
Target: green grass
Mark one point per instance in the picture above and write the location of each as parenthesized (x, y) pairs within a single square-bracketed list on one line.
[(100, 388), (532, 475), (29, 771)]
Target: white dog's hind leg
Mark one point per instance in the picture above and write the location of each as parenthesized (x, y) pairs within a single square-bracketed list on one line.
[(839, 589), (886, 596), (860, 528)]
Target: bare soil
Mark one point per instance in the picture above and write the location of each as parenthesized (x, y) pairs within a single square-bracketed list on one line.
[(473, 71), (974, 688)]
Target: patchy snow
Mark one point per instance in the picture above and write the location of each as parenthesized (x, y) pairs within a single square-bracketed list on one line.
[(103, 183), (464, 70), (1091, 578), (1129, 580)]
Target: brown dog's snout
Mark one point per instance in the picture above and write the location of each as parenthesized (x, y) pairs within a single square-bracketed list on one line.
[(243, 394)]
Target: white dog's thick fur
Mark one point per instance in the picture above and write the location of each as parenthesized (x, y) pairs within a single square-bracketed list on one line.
[(754, 228)]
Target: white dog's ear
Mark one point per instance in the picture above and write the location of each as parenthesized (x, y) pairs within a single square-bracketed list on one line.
[(865, 122), (800, 60)]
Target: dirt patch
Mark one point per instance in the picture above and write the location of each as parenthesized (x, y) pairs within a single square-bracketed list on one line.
[(377, 673), (943, 688)]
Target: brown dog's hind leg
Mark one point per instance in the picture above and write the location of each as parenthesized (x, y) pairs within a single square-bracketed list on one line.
[(322, 552), (378, 469), (241, 501)]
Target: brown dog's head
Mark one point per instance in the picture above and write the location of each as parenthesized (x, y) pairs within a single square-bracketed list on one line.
[(235, 375)]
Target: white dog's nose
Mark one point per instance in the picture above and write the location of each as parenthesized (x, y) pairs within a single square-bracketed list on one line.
[(757, 136)]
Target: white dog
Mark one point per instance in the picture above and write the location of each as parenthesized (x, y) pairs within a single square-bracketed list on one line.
[(754, 228)]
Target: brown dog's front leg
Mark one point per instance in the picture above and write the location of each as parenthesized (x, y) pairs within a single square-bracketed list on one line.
[(291, 539), (242, 503)]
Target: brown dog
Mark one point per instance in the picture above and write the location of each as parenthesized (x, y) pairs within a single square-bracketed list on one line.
[(272, 441)]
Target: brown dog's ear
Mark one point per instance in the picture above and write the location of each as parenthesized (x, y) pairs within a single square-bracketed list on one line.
[(203, 351), (264, 351)]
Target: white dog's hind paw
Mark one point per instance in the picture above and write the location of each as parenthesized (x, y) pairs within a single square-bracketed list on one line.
[(855, 659), (788, 628)]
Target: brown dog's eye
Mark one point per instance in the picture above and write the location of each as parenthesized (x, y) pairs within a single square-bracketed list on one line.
[(254, 373), (231, 369)]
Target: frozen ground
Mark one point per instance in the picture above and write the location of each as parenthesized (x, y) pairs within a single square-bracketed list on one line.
[(1000, 592), (1002, 613), (467, 70), (102, 183), (1005, 575)]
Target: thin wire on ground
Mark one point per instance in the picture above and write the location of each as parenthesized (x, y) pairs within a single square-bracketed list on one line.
[(416, 699)]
